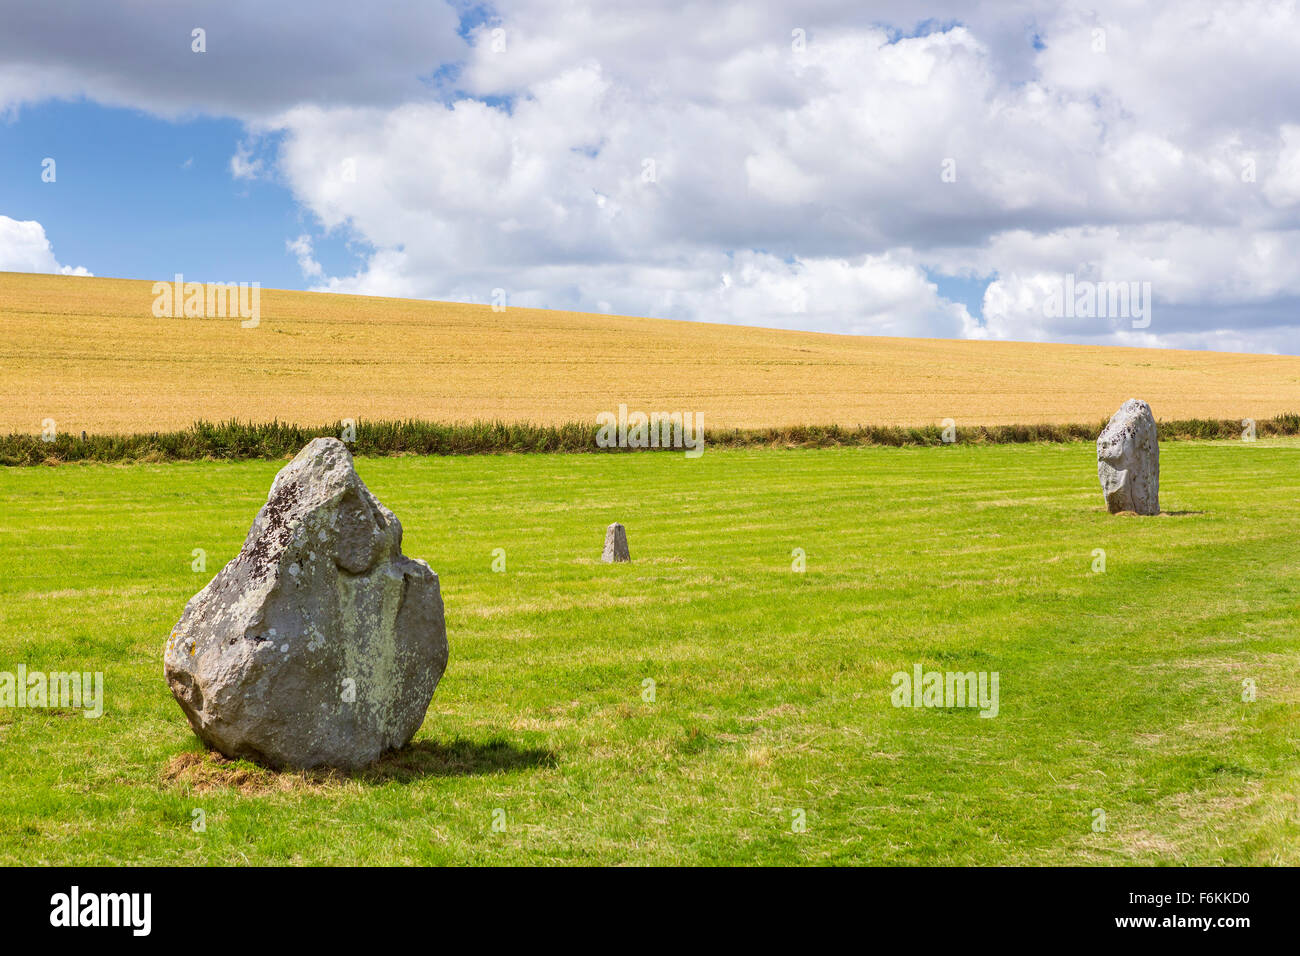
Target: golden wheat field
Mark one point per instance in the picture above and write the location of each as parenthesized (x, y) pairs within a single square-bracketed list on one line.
[(90, 354)]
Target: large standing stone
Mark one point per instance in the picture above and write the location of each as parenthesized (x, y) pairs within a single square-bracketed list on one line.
[(615, 544), (1128, 460), (320, 644)]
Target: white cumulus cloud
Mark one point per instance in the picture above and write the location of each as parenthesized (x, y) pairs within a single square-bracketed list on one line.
[(24, 248)]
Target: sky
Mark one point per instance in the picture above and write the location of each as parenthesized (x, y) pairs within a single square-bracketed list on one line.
[(897, 168)]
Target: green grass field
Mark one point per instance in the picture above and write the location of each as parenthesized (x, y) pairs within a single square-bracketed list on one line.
[(1120, 691)]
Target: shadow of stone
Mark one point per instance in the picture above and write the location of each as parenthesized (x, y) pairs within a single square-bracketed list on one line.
[(203, 770), (454, 758)]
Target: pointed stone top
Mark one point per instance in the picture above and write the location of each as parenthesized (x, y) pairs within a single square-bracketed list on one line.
[(324, 457), (321, 470), (320, 478), (327, 445)]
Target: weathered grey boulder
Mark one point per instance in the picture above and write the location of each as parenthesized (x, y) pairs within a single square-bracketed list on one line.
[(319, 644), (615, 544), (1128, 460)]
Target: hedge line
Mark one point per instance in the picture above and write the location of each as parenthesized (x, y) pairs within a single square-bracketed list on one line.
[(239, 440)]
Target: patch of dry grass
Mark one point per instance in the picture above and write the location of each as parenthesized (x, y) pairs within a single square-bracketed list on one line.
[(205, 771)]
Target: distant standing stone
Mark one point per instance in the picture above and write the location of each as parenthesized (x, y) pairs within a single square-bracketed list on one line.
[(1128, 460), (320, 644), (615, 544)]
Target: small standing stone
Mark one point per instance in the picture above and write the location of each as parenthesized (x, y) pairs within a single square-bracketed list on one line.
[(615, 544), (1128, 460)]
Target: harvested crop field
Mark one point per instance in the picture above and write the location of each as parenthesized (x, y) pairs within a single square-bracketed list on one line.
[(89, 354)]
